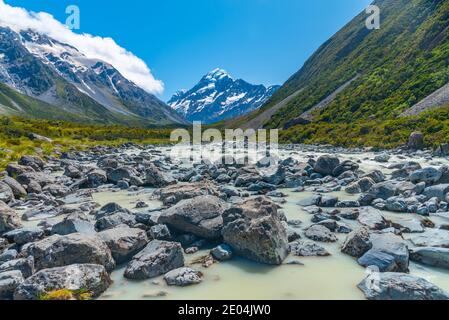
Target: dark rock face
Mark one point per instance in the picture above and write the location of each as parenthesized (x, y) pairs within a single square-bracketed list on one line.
[(158, 258), (57, 251), (326, 165), (9, 220), (320, 233), (400, 286), (416, 141), (173, 194), (90, 277), (201, 216), (254, 230), (357, 243), (74, 223), (9, 281), (431, 256)]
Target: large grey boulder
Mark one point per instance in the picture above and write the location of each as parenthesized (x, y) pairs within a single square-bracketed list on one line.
[(9, 219), (326, 165), (6, 194), (158, 258), (431, 256), (24, 235), (32, 161), (40, 178), (428, 175), (57, 251), (124, 242), (9, 281), (304, 248), (400, 286), (438, 191), (432, 238), (183, 277), (74, 223), (372, 218), (24, 265), (416, 141), (254, 230), (16, 188), (362, 185), (320, 233), (383, 190), (389, 253), (91, 278), (156, 178), (357, 243), (114, 220), (201, 216), (173, 194)]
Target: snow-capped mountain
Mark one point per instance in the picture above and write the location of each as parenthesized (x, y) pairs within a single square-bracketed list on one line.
[(58, 74), (218, 97)]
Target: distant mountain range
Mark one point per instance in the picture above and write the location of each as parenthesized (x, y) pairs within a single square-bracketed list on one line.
[(361, 75), (44, 78), (219, 97)]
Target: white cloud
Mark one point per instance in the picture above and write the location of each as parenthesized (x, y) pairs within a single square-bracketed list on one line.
[(106, 49)]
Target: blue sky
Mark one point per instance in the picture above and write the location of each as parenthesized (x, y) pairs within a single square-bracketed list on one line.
[(261, 41)]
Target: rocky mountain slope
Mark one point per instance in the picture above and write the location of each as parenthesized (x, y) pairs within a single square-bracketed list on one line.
[(57, 74), (219, 97), (365, 75)]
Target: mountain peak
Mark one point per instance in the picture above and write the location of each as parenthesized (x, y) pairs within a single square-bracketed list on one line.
[(219, 97), (217, 74)]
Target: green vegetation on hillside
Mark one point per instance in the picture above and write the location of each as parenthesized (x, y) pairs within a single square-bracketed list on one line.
[(16, 140), (397, 66), (375, 133)]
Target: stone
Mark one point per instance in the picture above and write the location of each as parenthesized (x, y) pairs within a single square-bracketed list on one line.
[(124, 242), (96, 178), (432, 238), (8, 255), (24, 235), (307, 249), (376, 175), (328, 201), (438, 191), (159, 232), (416, 141), (372, 218), (24, 265), (320, 233), (175, 193), (382, 158), (357, 243), (383, 190), (222, 252), (201, 216), (114, 220), (156, 178), (254, 230), (9, 219), (6, 193), (57, 251), (427, 175), (91, 278), (399, 286), (362, 185), (431, 256), (326, 165), (183, 277), (74, 223), (9, 281), (158, 258), (16, 188)]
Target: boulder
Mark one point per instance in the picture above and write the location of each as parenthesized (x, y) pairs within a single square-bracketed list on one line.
[(175, 193), (24, 235), (32, 161), (96, 178), (9, 220), (155, 178), (427, 175), (432, 238), (416, 141), (40, 178), (8, 255), (307, 249), (431, 256), (372, 218), (438, 191), (57, 251), (326, 165), (9, 281), (6, 193), (183, 277), (400, 286), (16, 188), (124, 242), (91, 278), (14, 169), (114, 220), (74, 223), (121, 173), (24, 265), (223, 252), (383, 190), (357, 243), (389, 253), (254, 230), (158, 258), (201, 216), (320, 233), (159, 232), (362, 185)]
